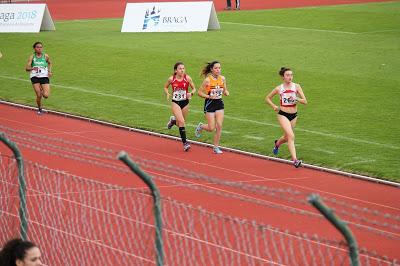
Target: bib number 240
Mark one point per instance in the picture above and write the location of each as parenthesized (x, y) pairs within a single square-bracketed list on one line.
[(216, 93)]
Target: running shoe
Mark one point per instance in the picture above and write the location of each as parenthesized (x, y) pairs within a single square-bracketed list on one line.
[(297, 163), (171, 122), (39, 111), (198, 130), (217, 150), (186, 146), (275, 150)]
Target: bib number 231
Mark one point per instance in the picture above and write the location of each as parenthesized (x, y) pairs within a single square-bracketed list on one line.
[(179, 95)]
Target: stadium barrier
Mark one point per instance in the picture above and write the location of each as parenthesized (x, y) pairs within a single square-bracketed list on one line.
[(83, 221)]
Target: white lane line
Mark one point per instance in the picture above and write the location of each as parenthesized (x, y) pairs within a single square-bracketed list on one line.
[(95, 92), (359, 162), (253, 137), (222, 22), (354, 140), (379, 31), (348, 138), (324, 151), (288, 28), (242, 24)]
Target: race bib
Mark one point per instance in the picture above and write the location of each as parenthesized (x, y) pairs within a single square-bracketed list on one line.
[(217, 93), (39, 71), (288, 98), (179, 95)]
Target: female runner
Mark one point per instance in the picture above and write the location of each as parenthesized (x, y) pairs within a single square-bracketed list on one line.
[(180, 83), (212, 89), (288, 92), (39, 66)]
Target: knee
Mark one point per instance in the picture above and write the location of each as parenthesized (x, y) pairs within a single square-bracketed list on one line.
[(290, 137), (211, 127), (45, 95), (180, 122)]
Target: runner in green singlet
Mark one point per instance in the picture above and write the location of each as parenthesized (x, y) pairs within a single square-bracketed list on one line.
[(39, 66)]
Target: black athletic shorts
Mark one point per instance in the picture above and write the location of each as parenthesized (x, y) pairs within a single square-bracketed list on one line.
[(44, 80), (288, 115), (182, 104), (211, 106)]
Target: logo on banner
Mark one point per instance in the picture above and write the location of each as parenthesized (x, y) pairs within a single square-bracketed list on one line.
[(170, 16), (25, 18), (151, 18), (18, 17)]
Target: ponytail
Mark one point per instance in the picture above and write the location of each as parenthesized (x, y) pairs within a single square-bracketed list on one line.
[(207, 68)]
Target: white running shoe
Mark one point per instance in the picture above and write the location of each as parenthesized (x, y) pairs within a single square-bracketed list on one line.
[(171, 122), (198, 130), (217, 150), (186, 146)]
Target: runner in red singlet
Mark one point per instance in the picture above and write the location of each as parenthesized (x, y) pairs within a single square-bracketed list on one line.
[(180, 83)]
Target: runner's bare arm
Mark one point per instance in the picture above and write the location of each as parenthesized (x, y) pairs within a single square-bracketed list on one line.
[(191, 84), (202, 89), (166, 86), (268, 99), (226, 92), (28, 66), (302, 99), (49, 64)]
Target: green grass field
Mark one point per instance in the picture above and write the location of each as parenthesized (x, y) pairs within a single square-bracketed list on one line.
[(347, 59)]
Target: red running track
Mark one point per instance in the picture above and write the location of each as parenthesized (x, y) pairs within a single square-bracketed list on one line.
[(229, 167)]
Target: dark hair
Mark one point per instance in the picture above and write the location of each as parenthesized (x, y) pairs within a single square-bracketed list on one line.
[(14, 250), (36, 43), (176, 65), (283, 70), (208, 67)]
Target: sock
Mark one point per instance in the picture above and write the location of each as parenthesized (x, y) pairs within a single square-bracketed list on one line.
[(182, 132)]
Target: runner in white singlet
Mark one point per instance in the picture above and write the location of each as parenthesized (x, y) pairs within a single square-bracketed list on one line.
[(290, 94)]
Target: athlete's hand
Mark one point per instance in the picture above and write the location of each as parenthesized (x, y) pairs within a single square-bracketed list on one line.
[(276, 109), (50, 74), (168, 95), (226, 93)]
